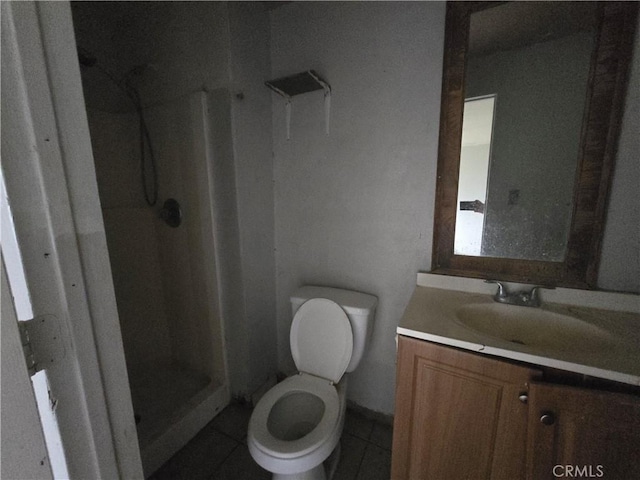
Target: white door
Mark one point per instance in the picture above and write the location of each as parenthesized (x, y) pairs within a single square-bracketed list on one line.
[(24, 453), (475, 160), (47, 165)]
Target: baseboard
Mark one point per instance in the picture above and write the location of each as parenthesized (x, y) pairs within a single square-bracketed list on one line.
[(262, 389), (379, 417)]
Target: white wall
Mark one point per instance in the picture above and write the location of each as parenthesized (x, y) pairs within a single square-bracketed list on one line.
[(354, 209), (253, 152), (620, 258), (183, 47)]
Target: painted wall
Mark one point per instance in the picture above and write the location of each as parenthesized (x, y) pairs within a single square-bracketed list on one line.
[(620, 258), (169, 49), (354, 209), (253, 152)]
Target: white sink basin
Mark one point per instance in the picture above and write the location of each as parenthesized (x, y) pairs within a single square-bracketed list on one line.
[(533, 327)]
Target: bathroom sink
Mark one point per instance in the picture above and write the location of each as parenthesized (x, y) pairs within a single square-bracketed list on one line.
[(533, 327)]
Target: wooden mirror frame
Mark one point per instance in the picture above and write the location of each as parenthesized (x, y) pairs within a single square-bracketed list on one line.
[(602, 118)]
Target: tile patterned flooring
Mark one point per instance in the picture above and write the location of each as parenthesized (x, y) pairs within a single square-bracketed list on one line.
[(219, 451)]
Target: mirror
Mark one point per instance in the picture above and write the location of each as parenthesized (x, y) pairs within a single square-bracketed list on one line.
[(531, 103), (525, 90)]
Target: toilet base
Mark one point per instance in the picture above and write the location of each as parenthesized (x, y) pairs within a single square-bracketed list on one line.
[(316, 473), (325, 471), (331, 463)]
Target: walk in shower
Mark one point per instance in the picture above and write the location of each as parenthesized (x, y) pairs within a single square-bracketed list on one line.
[(162, 253)]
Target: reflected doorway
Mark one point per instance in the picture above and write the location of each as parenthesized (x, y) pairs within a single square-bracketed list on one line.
[(475, 156)]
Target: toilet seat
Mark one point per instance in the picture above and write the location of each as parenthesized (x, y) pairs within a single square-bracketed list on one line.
[(259, 432)]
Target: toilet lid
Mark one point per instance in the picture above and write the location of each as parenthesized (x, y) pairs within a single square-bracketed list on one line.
[(321, 339)]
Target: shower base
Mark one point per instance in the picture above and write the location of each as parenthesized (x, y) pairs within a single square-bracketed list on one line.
[(172, 404)]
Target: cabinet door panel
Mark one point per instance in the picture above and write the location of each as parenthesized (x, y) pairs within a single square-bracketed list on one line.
[(456, 419), (593, 433), (457, 415)]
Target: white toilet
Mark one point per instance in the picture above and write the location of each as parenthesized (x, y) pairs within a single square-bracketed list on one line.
[(297, 424)]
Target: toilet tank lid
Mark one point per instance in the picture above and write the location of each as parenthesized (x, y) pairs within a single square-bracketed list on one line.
[(354, 303)]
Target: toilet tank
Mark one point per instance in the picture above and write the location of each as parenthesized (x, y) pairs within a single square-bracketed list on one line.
[(359, 307)]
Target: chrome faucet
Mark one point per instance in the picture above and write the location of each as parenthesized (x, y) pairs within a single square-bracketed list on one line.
[(522, 298)]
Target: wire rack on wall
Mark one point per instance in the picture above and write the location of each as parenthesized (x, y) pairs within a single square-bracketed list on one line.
[(298, 84)]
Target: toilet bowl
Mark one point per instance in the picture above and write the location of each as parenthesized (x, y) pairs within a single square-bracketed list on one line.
[(297, 424)]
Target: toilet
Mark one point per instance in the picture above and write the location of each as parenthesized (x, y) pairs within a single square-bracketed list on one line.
[(295, 428)]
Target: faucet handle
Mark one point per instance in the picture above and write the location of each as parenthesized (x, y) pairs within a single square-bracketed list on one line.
[(502, 290), (524, 298), (535, 291)]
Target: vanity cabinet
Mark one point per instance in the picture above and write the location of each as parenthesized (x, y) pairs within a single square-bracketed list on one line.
[(462, 415)]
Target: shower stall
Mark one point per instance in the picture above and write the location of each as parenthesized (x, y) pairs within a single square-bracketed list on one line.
[(154, 169), (164, 275)]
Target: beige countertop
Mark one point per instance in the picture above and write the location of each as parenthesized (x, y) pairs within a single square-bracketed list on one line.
[(433, 314)]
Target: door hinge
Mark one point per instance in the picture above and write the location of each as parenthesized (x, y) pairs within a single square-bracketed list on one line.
[(41, 342)]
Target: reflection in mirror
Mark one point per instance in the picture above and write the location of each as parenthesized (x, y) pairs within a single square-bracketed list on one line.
[(475, 152), (535, 58), (558, 83)]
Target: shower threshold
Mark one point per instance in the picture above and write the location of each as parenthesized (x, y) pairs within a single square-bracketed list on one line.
[(172, 404)]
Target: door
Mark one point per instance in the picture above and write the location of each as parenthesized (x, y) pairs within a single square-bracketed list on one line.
[(580, 433), (47, 166), (475, 161), (24, 453)]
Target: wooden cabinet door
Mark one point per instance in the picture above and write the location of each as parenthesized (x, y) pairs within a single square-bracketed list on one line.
[(585, 434), (458, 415)]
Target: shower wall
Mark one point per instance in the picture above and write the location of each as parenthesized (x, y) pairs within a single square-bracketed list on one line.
[(132, 239), (179, 130), (223, 48), (165, 278)]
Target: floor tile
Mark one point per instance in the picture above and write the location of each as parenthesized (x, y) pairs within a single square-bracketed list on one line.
[(351, 454), (358, 425), (382, 435), (376, 464), (219, 451), (239, 465), (233, 421), (199, 458)]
